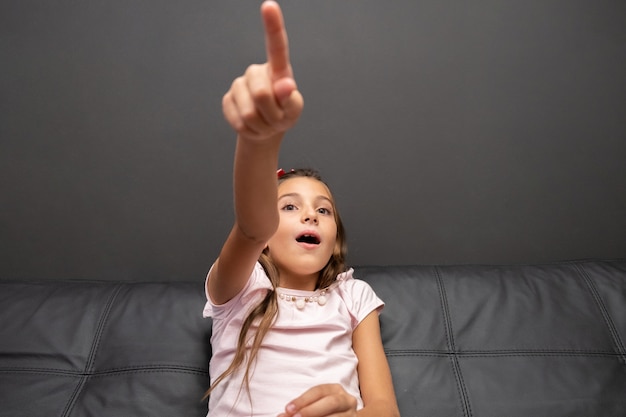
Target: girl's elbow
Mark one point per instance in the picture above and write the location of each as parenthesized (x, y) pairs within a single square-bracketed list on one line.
[(258, 234)]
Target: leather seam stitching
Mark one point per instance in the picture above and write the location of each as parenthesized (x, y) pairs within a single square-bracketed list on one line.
[(606, 316), (92, 354), (460, 383)]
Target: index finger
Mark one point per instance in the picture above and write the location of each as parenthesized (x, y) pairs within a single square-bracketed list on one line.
[(276, 44)]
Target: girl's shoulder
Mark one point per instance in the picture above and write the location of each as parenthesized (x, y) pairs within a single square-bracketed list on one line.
[(346, 281), (358, 296), (256, 287)]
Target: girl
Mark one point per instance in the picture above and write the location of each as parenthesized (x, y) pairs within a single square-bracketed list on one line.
[(294, 334)]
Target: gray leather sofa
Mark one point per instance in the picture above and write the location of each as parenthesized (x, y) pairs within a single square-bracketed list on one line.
[(488, 341)]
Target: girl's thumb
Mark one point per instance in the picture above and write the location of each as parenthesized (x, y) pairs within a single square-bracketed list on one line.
[(283, 88)]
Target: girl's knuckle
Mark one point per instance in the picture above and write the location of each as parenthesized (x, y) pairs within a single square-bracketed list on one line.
[(251, 70), (261, 94), (352, 402), (237, 83)]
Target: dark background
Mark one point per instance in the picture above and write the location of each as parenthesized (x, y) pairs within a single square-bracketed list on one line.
[(450, 131)]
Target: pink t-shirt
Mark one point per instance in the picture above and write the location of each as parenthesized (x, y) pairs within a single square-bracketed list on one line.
[(310, 344)]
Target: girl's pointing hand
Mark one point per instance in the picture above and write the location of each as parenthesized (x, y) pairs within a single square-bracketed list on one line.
[(265, 101)]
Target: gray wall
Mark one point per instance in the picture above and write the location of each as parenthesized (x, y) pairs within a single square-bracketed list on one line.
[(450, 131)]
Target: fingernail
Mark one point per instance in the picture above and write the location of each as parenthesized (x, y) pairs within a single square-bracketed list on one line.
[(291, 408)]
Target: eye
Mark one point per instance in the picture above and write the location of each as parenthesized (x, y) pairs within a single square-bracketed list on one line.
[(289, 207), (325, 211)]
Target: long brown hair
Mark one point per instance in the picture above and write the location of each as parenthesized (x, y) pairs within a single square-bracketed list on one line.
[(264, 314)]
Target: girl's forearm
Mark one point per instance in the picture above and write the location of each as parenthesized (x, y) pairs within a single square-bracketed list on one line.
[(379, 409), (255, 186)]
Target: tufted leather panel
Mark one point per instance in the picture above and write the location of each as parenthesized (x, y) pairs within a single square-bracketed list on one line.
[(488, 341), (506, 341), (102, 349)]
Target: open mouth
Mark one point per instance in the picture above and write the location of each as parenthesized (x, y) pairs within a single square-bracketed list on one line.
[(308, 238)]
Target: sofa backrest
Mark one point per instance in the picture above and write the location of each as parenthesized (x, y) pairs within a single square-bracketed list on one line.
[(506, 341), (102, 349), (532, 340)]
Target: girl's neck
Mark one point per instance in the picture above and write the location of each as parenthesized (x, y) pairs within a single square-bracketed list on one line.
[(300, 283)]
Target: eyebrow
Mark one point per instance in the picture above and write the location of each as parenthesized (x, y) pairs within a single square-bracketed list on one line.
[(297, 195)]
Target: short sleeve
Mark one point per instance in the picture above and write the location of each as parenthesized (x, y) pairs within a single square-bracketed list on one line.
[(359, 297), (257, 286)]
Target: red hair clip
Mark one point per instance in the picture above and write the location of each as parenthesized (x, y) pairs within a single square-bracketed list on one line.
[(281, 172)]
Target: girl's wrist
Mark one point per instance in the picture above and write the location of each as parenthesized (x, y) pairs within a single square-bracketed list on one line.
[(271, 141)]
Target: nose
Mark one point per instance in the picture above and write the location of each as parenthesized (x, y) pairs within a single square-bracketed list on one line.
[(309, 216)]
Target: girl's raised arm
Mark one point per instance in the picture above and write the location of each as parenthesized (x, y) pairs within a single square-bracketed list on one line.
[(261, 106)]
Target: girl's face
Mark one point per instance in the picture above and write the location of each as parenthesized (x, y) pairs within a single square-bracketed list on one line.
[(307, 233)]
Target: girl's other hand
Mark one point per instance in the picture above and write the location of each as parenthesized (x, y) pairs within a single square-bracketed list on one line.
[(265, 100), (322, 401)]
